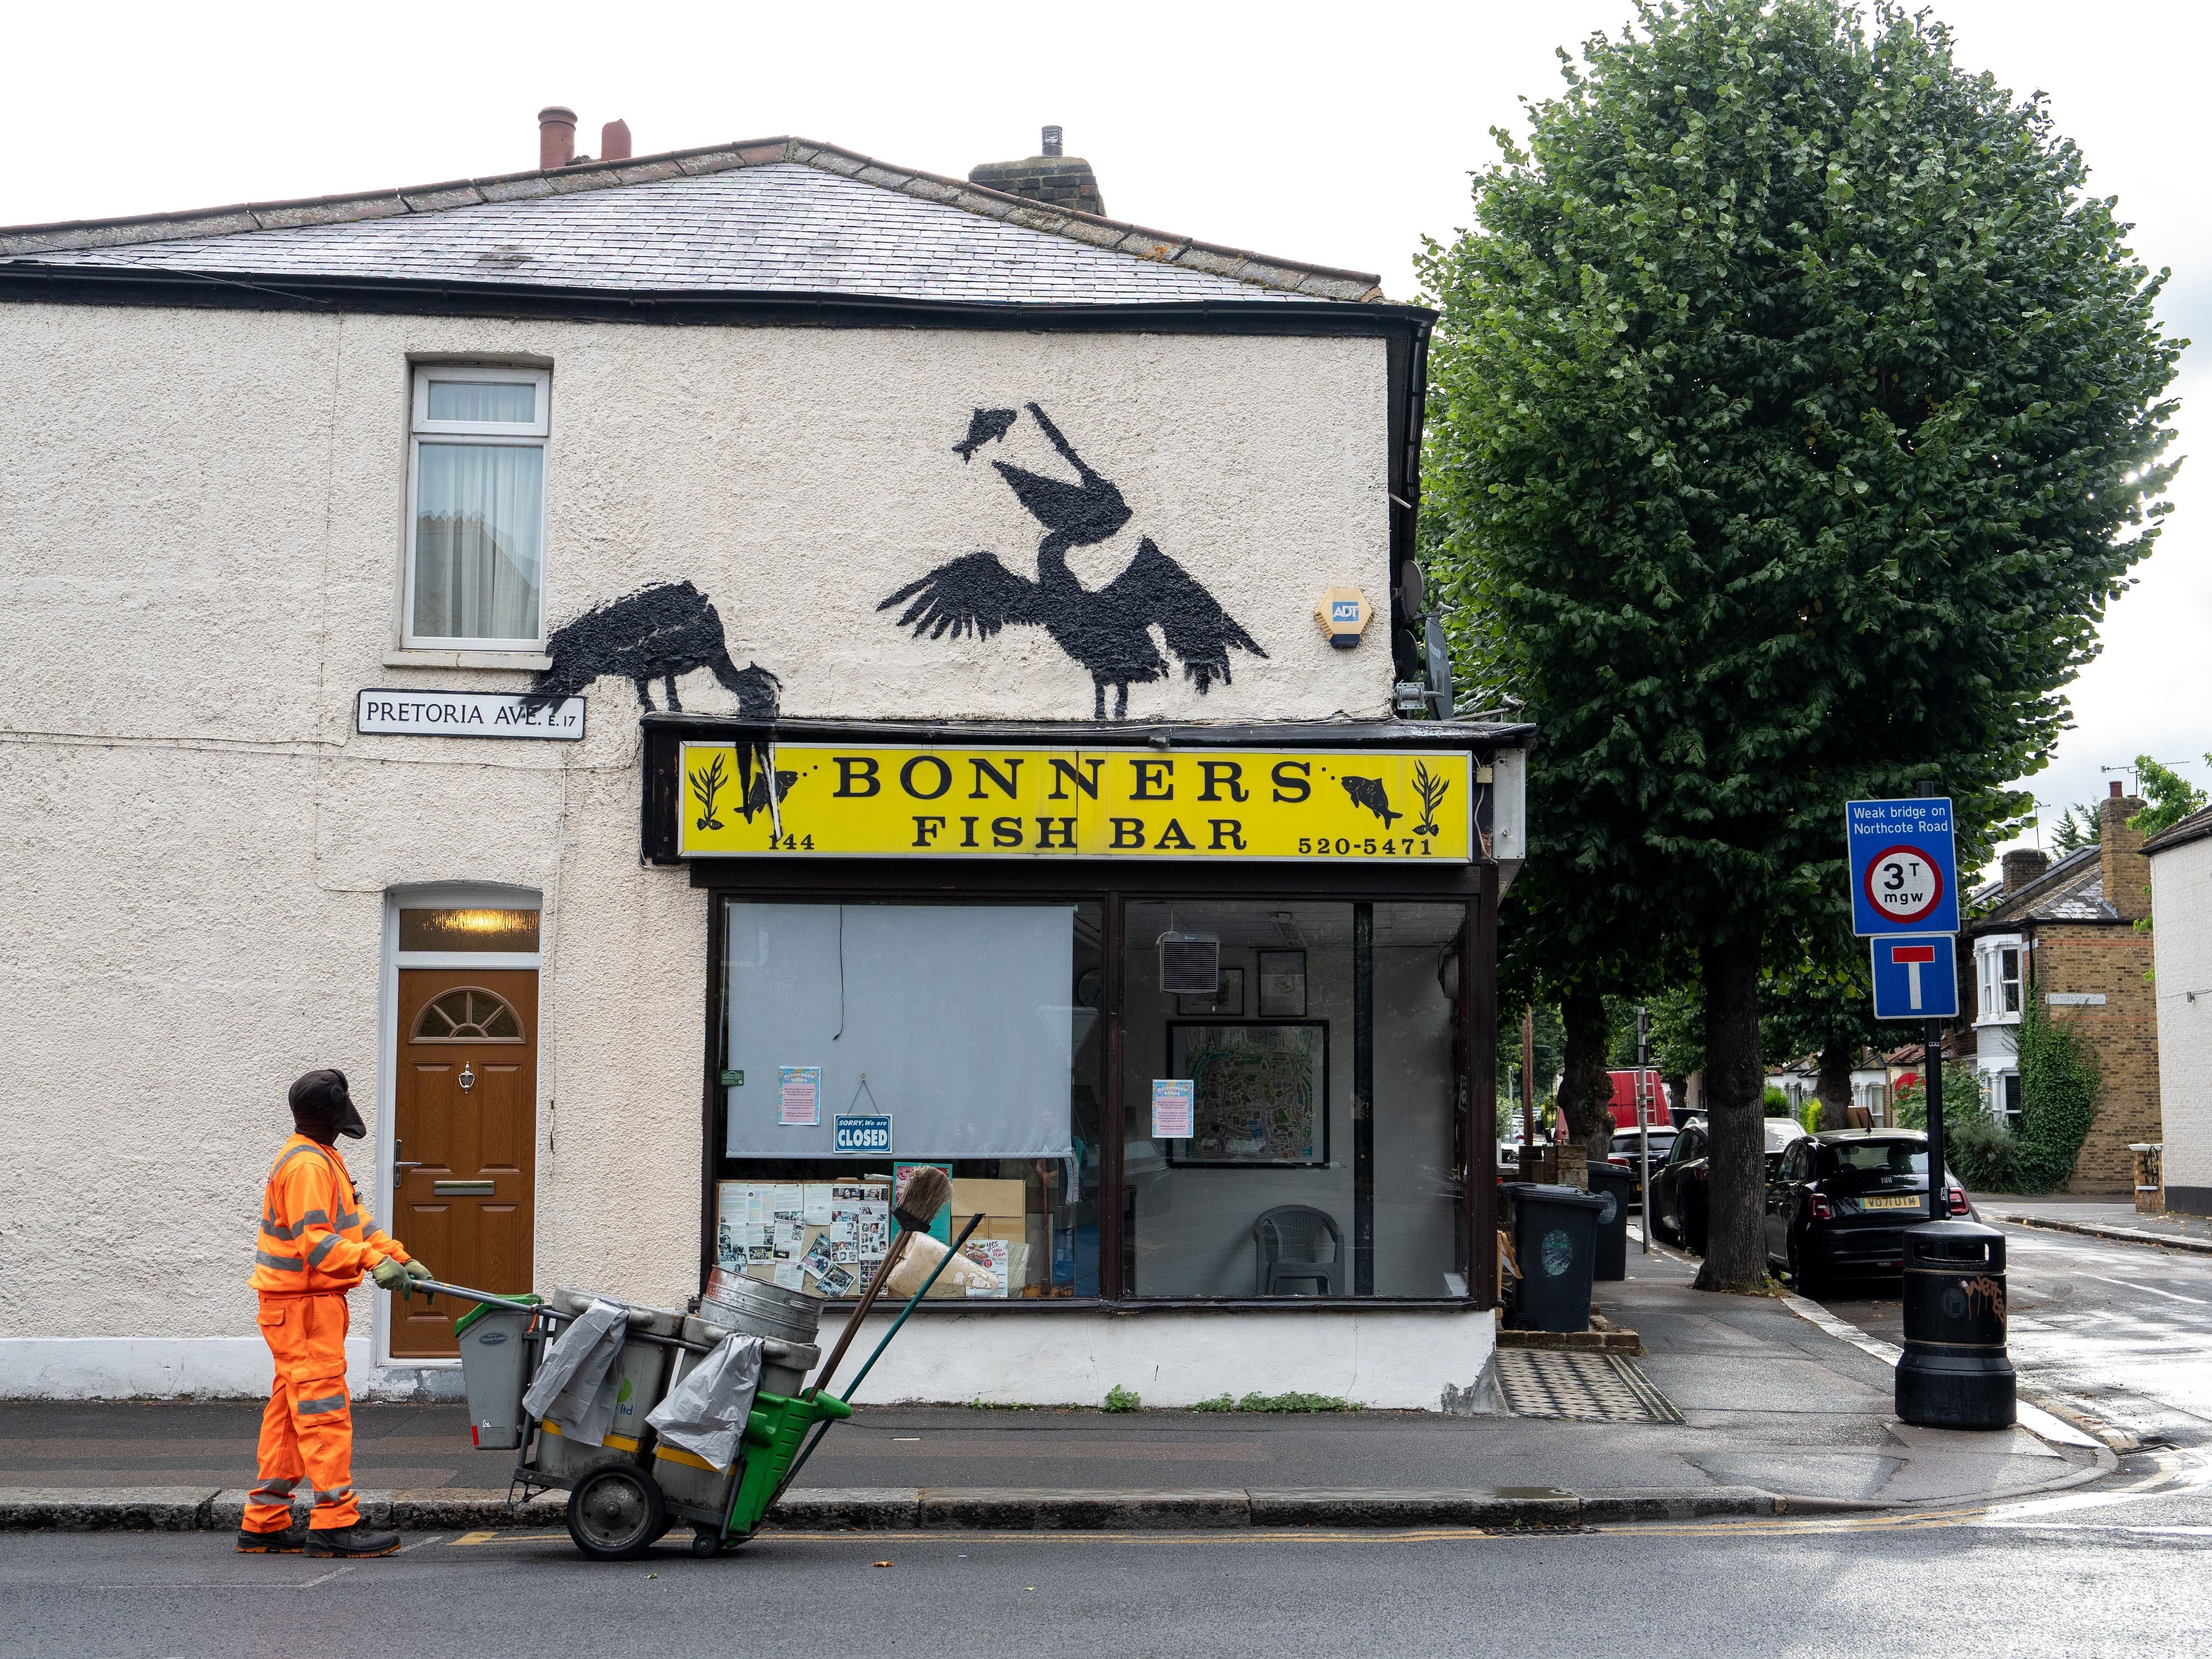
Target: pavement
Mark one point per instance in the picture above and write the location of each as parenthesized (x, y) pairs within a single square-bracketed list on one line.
[(2119, 1221), (1778, 1415)]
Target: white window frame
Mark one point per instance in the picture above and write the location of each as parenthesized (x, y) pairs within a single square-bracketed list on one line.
[(513, 434), (1989, 982)]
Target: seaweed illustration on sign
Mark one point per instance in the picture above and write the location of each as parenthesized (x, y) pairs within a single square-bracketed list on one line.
[(1432, 790), (706, 783), (657, 633), (1108, 630), (1369, 793)]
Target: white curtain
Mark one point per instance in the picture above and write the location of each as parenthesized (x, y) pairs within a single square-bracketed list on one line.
[(479, 541)]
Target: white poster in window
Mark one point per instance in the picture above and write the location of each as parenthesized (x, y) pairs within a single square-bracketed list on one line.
[(799, 1095), (1172, 1107)]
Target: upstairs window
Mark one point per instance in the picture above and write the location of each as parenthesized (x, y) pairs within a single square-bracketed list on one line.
[(1997, 973), (475, 536)]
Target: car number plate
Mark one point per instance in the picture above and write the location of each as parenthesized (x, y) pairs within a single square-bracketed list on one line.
[(1910, 1201)]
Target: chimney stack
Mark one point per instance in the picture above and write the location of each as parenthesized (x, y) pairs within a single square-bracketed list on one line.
[(2022, 865), (2126, 871), (1056, 180), (614, 141), (556, 138)]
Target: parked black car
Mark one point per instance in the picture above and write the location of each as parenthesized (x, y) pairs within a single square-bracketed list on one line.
[(1678, 1206), (1838, 1204), (1626, 1152)]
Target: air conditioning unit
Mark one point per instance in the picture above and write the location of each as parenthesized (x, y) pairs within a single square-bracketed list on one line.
[(1190, 965)]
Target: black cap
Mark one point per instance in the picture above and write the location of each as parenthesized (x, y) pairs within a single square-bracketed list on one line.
[(321, 1098)]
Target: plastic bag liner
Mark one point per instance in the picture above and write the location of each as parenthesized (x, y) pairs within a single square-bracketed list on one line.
[(577, 1382), (705, 1414)]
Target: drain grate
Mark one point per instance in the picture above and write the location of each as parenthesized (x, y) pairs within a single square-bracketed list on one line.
[(1594, 1388)]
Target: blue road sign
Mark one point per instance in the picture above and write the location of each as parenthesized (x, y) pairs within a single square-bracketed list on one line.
[(1915, 977), (861, 1134), (1904, 866)]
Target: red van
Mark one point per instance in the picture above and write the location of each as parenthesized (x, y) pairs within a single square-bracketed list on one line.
[(1624, 1098)]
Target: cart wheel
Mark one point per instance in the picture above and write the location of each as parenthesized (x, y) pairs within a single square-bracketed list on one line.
[(706, 1543), (614, 1513)]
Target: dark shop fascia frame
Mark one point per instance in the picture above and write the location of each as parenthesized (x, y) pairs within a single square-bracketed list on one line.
[(1113, 883)]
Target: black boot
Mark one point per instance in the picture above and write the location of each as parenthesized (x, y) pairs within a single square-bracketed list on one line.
[(288, 1541), (356, 1542)]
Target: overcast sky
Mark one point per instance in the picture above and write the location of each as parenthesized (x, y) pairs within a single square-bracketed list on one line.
[(1341, 137)]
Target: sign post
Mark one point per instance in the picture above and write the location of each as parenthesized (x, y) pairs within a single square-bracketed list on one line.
[(1905, 898), (1643, 1124)]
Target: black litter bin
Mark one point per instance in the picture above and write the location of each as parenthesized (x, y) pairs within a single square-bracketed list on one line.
[(1615, 1188), (1555, 1237), (1955, 1373)]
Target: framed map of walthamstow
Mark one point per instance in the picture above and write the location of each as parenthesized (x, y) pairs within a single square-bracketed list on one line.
[(1261, 1092)]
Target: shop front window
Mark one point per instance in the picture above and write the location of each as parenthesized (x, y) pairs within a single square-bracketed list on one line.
[(860, 1038), (1290, 1099)]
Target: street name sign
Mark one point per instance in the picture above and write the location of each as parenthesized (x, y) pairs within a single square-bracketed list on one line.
[(1915, 977), (1904, 866)]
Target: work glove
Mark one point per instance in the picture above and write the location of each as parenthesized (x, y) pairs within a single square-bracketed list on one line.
[(390, 1275), (415, 1270)]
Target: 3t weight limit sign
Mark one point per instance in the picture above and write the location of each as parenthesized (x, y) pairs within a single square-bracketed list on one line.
[(1904, 883), (1903, 865)]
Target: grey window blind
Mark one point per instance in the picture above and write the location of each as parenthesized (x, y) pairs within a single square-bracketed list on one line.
[(961, 1017)]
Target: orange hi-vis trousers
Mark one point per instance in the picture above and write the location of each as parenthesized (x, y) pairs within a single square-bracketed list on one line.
[(308, 1430)]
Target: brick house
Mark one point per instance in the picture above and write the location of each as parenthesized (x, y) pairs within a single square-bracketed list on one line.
[(2066, 932), (2180, 859)]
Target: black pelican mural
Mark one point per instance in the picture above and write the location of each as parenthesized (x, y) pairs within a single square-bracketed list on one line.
[(657, 633), (1109, 631)]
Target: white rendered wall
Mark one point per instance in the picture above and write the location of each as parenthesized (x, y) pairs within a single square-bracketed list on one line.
[(201, 523), (2181, 935), (1392, 1360)]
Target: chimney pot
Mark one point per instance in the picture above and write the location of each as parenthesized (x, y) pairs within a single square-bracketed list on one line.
[(2116, 789), (2022, 865), (1052, 140), (614, 141), (556, 136)]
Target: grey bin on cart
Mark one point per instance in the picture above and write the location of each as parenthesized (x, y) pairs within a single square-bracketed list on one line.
[(1554, 1236), (760, 1309), (1615, 1188), (643, 1369), (686, 1478), (1954, 1373), (497, 1359)]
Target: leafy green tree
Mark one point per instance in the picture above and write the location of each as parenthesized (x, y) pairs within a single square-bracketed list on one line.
[(2172, 797), (1796, 413), (2078, 827)]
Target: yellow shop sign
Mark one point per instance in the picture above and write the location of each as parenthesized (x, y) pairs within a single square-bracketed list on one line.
[(872, 801)]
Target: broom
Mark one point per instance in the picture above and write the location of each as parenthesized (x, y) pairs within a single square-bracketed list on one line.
[(930, 1191)]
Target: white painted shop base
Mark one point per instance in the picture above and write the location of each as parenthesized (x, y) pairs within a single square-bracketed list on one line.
[(1399, 1360)]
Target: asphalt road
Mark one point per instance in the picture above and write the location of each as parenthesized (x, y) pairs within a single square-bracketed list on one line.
[(2096, 1573)]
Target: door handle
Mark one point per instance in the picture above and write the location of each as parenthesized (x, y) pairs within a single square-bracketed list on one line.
[(402, 1166)]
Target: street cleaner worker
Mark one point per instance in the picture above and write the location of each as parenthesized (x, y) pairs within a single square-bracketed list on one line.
[(317, 1239)]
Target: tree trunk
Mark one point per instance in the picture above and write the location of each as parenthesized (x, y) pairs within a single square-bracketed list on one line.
[(1585, 1091), (1834, 1087), (1735, 1208)]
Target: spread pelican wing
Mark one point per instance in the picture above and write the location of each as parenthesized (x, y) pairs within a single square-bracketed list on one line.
[(1156, 589), (973, 594)]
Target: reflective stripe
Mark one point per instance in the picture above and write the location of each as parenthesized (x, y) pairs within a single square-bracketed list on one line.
[(288, 1157), (275, 1488), (277, 1228), (283, 1264), (350, 1218), (333, 1494), (312, 1407), (330, 1241)]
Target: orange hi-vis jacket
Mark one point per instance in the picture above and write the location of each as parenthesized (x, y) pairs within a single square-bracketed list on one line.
[(317, 1237)]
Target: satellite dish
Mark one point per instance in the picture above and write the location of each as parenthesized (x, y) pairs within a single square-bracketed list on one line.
[(1437, 652), (1411, 586)]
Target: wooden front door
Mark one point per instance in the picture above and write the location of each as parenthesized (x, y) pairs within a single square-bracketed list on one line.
[(463, 1171)]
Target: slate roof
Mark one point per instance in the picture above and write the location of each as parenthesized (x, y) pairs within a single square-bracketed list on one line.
[(2072, 889), (2195, 827), (780, 215)]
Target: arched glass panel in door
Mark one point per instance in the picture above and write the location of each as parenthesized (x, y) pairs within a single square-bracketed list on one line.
[(468, 1013)]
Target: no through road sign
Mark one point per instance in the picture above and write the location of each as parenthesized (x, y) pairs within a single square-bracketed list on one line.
[(1915, 977), (1905, 876)]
